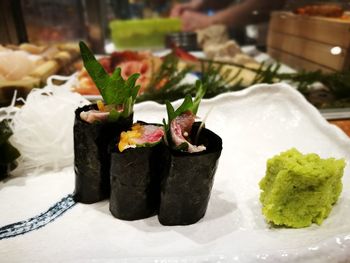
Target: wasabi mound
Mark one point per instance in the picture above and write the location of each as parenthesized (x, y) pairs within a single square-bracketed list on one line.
[(299, 190)]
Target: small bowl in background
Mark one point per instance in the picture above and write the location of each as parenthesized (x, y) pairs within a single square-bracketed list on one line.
[(184, 40)]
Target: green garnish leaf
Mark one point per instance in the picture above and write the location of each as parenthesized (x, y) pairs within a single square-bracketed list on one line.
[(166, 131), (114, 89), (113, 115), (201, 90), (187, 105), (127, 107), (182, 147), (130, 85), (170, 110), (148, 144)]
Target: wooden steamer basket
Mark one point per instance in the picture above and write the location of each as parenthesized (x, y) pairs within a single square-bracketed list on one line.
[(310, 42)]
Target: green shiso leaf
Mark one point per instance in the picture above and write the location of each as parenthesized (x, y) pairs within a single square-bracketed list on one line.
[(182, 147), (170, 110), (187, 105), (130, 85), (114, 115), (201, 90), (114, 89), (95, 70), (148, 144), (128, 105)]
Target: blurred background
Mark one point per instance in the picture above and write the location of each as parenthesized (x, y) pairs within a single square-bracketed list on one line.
[(301, 42), (43, 21)]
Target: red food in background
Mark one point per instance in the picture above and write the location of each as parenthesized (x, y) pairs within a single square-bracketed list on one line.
[(327, 10), (130, 62)]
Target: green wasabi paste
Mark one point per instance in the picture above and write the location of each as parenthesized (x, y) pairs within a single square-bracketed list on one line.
[(299, 190)]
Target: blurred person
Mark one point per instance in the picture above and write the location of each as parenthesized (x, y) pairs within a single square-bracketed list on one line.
[(229, 12)]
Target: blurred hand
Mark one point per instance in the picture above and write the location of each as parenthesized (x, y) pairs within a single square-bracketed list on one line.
[(179, 9), (195, 20)]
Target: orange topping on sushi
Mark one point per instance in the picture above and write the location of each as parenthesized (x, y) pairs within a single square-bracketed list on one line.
[(140, 136), (100, 105), (127, 139)]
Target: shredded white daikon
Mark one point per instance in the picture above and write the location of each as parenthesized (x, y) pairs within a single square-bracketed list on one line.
[(43, 126)]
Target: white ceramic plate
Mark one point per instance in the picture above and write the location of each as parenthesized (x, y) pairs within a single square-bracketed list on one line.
[(255, 124)]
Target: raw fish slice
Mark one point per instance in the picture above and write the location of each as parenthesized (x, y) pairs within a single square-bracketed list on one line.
[(94, 116), (180, 129), (139, 136)]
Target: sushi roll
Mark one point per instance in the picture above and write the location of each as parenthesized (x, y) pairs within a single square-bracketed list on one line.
[(92, 135), (189, 165), (135, 174), (97, 125)]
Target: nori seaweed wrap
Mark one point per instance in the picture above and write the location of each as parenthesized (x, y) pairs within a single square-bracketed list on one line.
[(8, 153), (91, 157), (188, 179), (135, 178), (189, 163)]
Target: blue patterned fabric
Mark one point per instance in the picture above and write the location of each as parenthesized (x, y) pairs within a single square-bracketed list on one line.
[(39, 221)]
